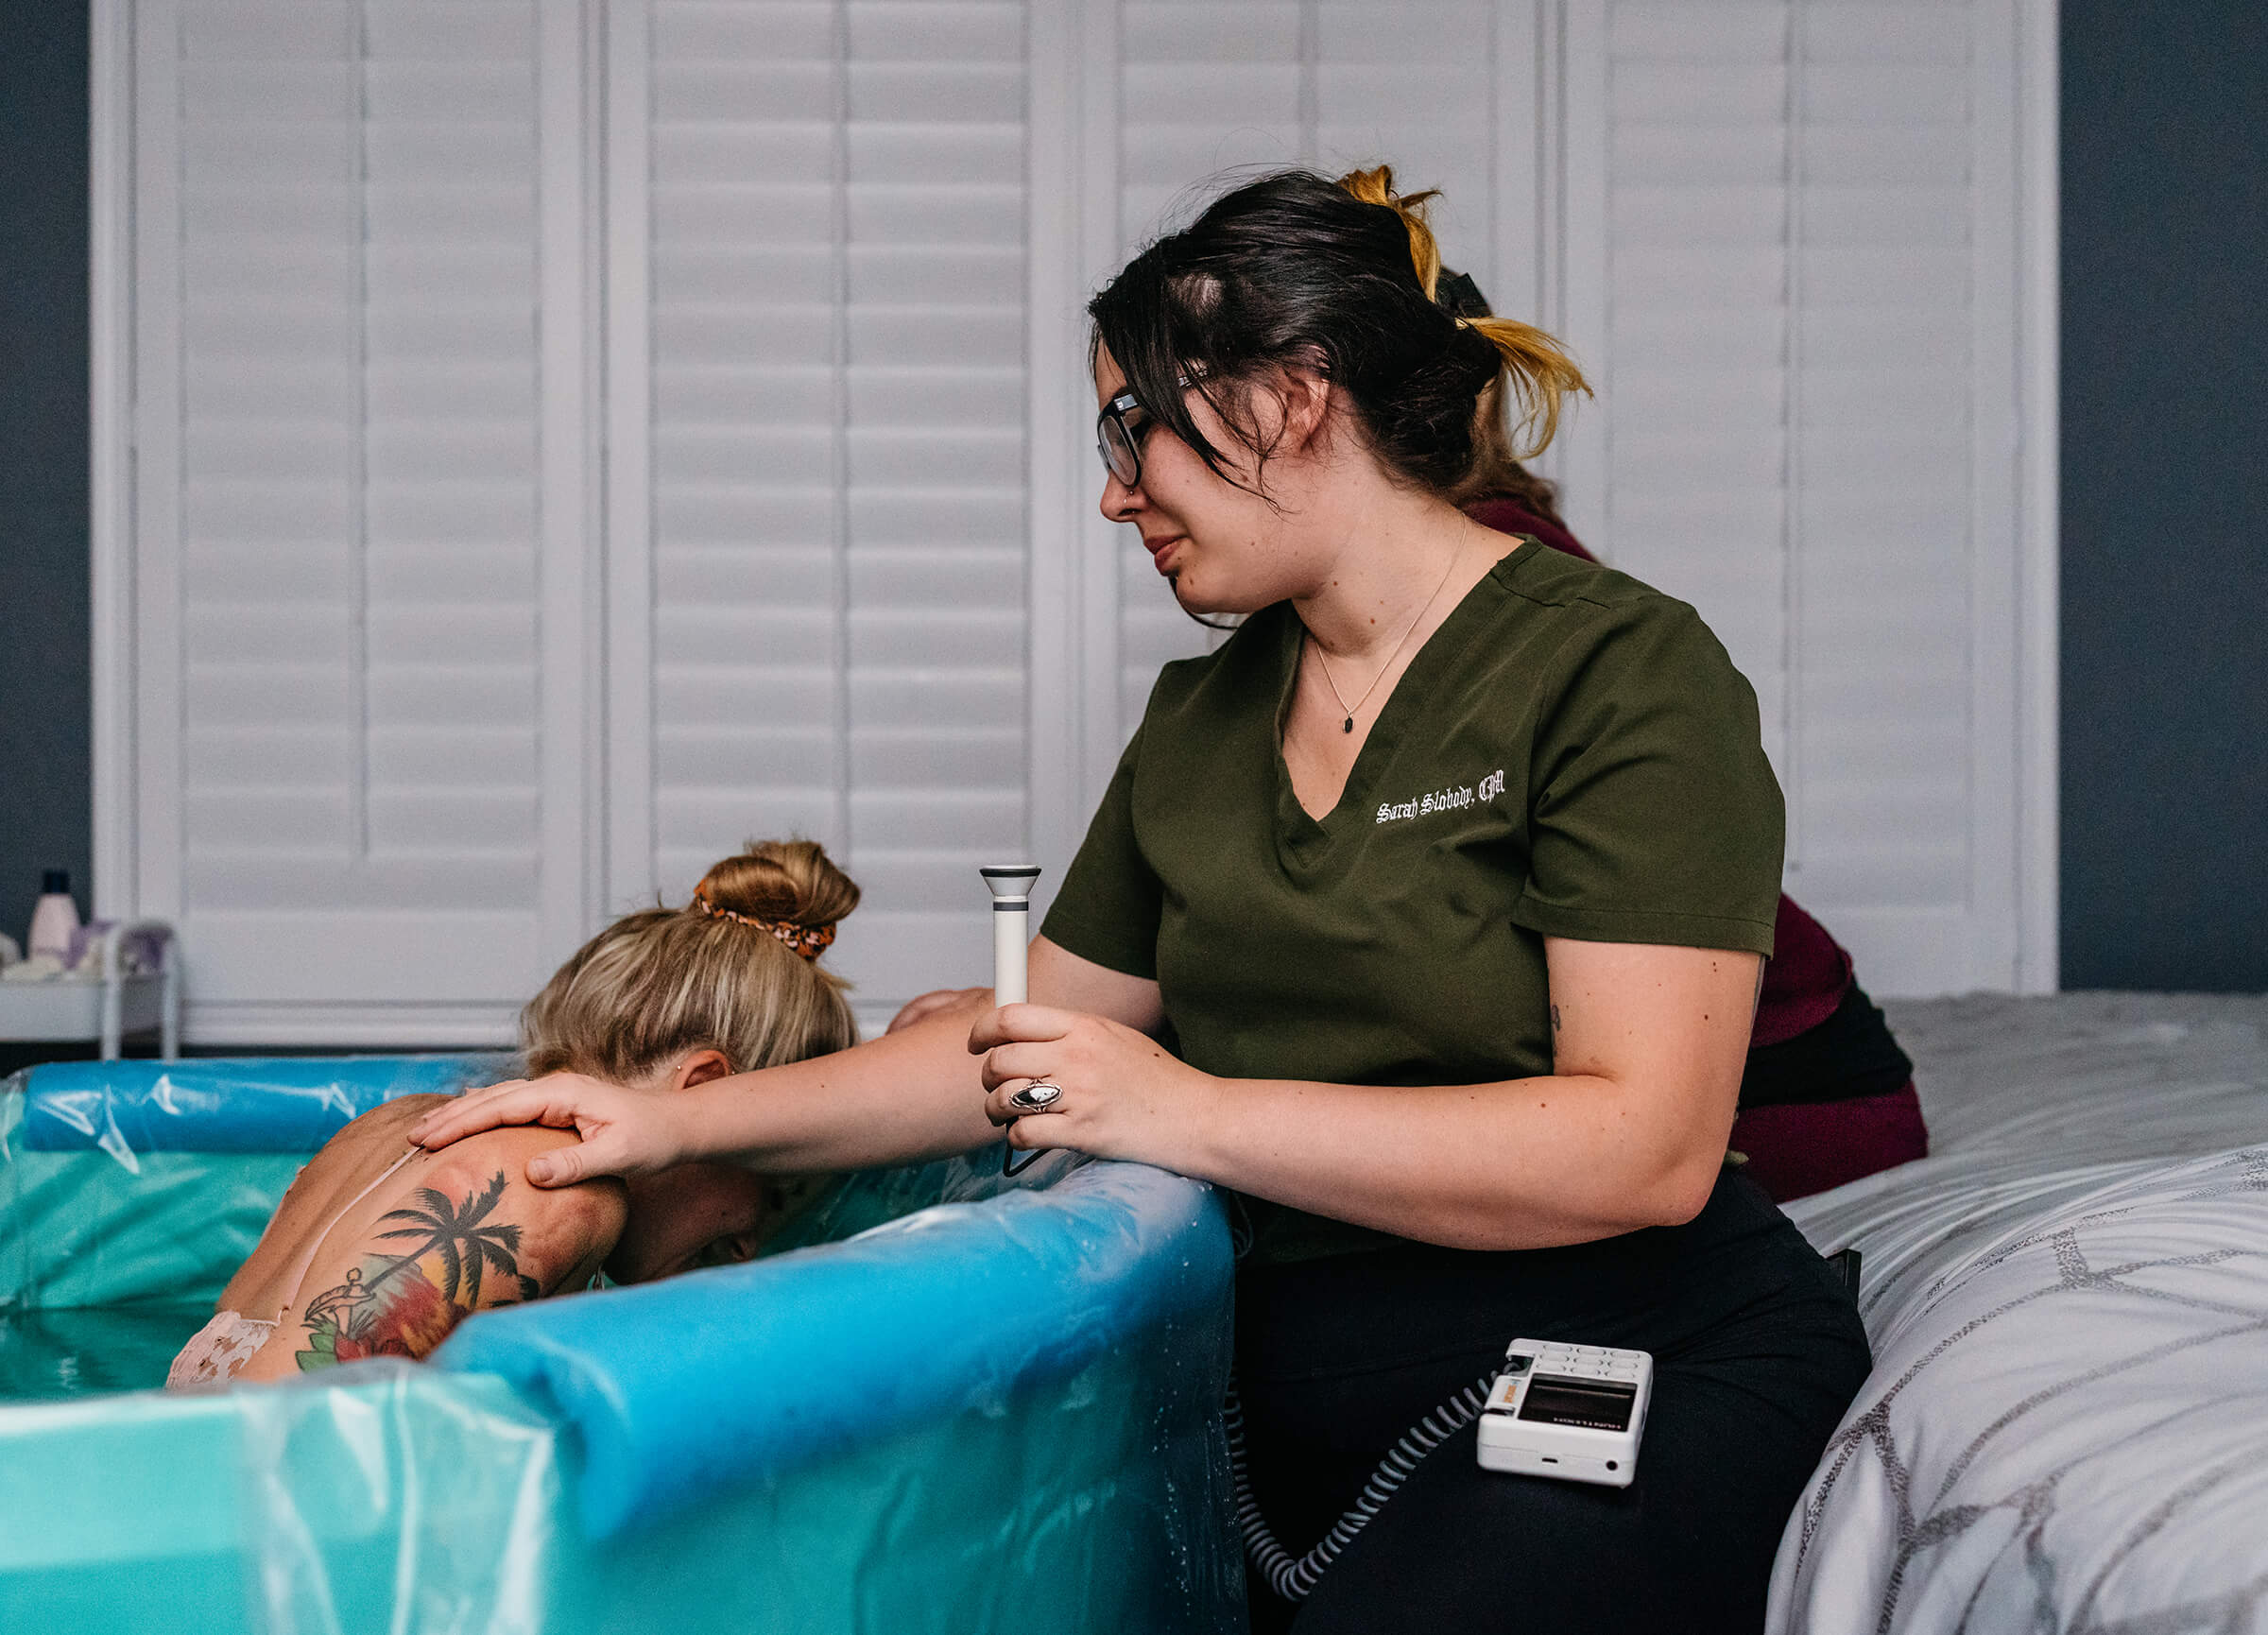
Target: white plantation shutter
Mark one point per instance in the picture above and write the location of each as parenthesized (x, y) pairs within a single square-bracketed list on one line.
[(542, 446), (834, 506), (343, 567), (1700, 398), (1807, 380)]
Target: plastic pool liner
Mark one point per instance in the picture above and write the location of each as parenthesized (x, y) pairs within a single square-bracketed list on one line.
[(990, 1410)]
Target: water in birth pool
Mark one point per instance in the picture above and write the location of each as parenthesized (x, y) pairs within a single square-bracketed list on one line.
[(46, 1355)]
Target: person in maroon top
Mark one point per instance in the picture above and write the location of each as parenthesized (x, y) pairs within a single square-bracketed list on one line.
[(1827, 1095)]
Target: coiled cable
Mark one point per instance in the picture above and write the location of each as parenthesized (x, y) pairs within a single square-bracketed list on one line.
[(1293, 1579)]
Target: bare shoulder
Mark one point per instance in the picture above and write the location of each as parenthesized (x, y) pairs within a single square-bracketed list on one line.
[(365, 1144), (598, 1206), (366, 1148)]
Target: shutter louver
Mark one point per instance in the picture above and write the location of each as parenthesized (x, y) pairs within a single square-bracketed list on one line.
[(1695, 393), (1791, 306), (357, 504), (838, 512), (1885, 637)]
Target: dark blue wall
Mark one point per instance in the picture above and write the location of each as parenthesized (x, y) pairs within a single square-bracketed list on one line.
[(2165, 443), (2165, 494), (44, 803)]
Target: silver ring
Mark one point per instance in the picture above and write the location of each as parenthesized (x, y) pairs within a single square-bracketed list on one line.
[(1036, 1096)]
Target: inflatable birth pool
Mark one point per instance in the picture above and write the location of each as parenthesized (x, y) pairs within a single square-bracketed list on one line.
[(956, 1405)]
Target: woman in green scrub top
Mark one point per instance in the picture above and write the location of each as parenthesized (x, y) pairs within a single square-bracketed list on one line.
[(1426, 917)]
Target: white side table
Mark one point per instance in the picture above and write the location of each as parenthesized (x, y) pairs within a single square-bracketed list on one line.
[(103, 1004)]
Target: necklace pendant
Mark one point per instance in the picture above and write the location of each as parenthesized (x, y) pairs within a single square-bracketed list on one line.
[(1348, 725)]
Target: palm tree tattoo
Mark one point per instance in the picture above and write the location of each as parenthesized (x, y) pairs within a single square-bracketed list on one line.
[(450, 1233), (393, 1306)]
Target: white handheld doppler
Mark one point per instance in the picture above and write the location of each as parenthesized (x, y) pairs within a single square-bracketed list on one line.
[(1572, 1412), (1011, 886)]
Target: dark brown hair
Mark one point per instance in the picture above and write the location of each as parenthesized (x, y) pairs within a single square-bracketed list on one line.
[(1297, 271)]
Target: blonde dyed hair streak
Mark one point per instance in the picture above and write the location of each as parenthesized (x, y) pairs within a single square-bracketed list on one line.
[(1536, 372), (664, 981)]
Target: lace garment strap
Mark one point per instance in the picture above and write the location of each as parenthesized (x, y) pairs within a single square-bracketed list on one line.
[(299, 1274)]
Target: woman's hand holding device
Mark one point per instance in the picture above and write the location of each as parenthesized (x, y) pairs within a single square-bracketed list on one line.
[(1123, 1095)]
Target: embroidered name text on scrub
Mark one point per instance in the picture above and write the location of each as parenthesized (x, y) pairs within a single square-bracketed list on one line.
[(1454, 799)]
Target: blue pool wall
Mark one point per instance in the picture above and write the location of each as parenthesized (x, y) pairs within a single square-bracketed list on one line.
[(987, 1412)]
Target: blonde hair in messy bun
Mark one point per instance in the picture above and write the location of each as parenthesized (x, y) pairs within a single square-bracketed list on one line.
[(718, 973), (1535, 373)]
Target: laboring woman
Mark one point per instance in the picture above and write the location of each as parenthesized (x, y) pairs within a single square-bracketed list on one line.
[(380, 1249), (1425, 917)]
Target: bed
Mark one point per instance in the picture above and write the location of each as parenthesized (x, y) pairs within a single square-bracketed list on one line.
[(2067, 1427)]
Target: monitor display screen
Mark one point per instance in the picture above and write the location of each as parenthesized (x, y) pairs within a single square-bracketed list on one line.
[(1595, 1404)]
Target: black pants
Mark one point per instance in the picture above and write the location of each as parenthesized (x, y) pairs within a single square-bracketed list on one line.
[(1756, 1352)]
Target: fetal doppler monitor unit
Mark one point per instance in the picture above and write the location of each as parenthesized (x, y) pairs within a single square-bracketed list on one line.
[(1574, 1412)]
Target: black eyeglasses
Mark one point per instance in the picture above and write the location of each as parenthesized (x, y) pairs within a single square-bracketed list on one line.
[(1118, 442)]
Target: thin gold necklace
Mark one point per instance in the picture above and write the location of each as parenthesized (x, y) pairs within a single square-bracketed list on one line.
[(1348, 725)]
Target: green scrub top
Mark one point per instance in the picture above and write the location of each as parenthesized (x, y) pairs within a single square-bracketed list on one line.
[(1571, 753)]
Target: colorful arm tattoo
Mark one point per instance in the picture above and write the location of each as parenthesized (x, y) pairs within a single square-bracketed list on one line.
[(405, 1305)]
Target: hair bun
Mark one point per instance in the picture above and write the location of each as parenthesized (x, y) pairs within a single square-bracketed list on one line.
[(793, 881), (1376, 186)]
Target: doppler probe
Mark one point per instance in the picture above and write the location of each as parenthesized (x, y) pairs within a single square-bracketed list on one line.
[(1011, 886)]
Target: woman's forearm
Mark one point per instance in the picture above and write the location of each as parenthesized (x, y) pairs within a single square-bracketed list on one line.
[(1522, 1164), (905, 1098), (912, 1095), (915, 1093), (1649, 1044)]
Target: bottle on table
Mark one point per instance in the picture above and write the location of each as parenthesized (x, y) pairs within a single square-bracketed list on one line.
[(54, 918)]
